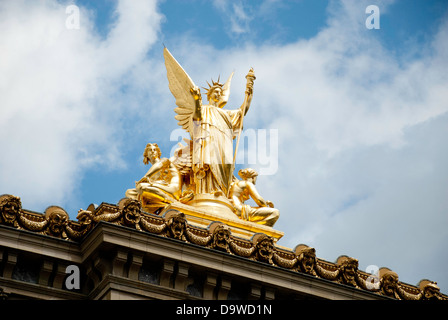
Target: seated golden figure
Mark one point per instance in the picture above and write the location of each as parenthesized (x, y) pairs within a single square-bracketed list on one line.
[(242, 190), (161, 185)]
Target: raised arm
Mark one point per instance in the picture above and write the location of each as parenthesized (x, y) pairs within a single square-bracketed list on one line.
[(196, 93), (255, 195), (249, 91), (156, 167)]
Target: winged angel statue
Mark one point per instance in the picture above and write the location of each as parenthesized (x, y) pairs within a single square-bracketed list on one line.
[(212, 129)]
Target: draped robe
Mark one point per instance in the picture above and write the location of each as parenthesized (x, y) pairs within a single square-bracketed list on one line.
[(213, 148)]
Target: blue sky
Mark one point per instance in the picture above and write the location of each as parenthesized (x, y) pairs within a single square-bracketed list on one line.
[(359, 117)]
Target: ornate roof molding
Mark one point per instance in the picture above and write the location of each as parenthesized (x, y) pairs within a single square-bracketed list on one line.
[(173, 224)]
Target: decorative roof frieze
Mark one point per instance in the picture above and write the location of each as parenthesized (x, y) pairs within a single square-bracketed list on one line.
[(218, 236)]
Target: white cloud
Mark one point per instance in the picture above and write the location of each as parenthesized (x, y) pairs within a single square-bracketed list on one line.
[(238, 16), (59, 93), (361, 131), (361, 140)]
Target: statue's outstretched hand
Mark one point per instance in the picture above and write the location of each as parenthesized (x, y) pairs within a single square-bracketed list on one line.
[(250, 88), (196, 93)]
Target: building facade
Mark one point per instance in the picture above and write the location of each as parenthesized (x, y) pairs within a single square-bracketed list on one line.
[(120, 252)]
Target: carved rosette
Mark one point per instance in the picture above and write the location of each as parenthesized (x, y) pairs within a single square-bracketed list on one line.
[(218, 236)]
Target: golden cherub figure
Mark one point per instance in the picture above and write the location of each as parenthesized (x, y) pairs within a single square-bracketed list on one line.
[(161, 185), (242, 190)]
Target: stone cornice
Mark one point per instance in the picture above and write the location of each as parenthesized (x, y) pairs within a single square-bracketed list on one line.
[(258, 257)]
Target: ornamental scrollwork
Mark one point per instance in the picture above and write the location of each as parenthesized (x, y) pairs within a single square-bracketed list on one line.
[(285, 259), (218, 236), (430, 290), (52, 223), (85, 224)]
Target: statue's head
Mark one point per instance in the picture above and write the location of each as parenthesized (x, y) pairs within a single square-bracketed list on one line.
[(57, 220), (349, 269), (131, 212), (215, 93), (151, 153), (10, 207), (307, 258), (264, 245), (221, 237), (218, 93), (248, 174), (389, 281), (177, 224)]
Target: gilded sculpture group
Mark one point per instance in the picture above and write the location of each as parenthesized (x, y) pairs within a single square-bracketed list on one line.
[(206, 164)]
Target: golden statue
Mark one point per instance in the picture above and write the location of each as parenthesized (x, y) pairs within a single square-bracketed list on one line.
[(242, 190), (161, 185), (198, 179), (212, 129)]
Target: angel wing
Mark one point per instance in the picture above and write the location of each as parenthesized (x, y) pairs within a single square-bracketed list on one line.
[(180, 84)]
